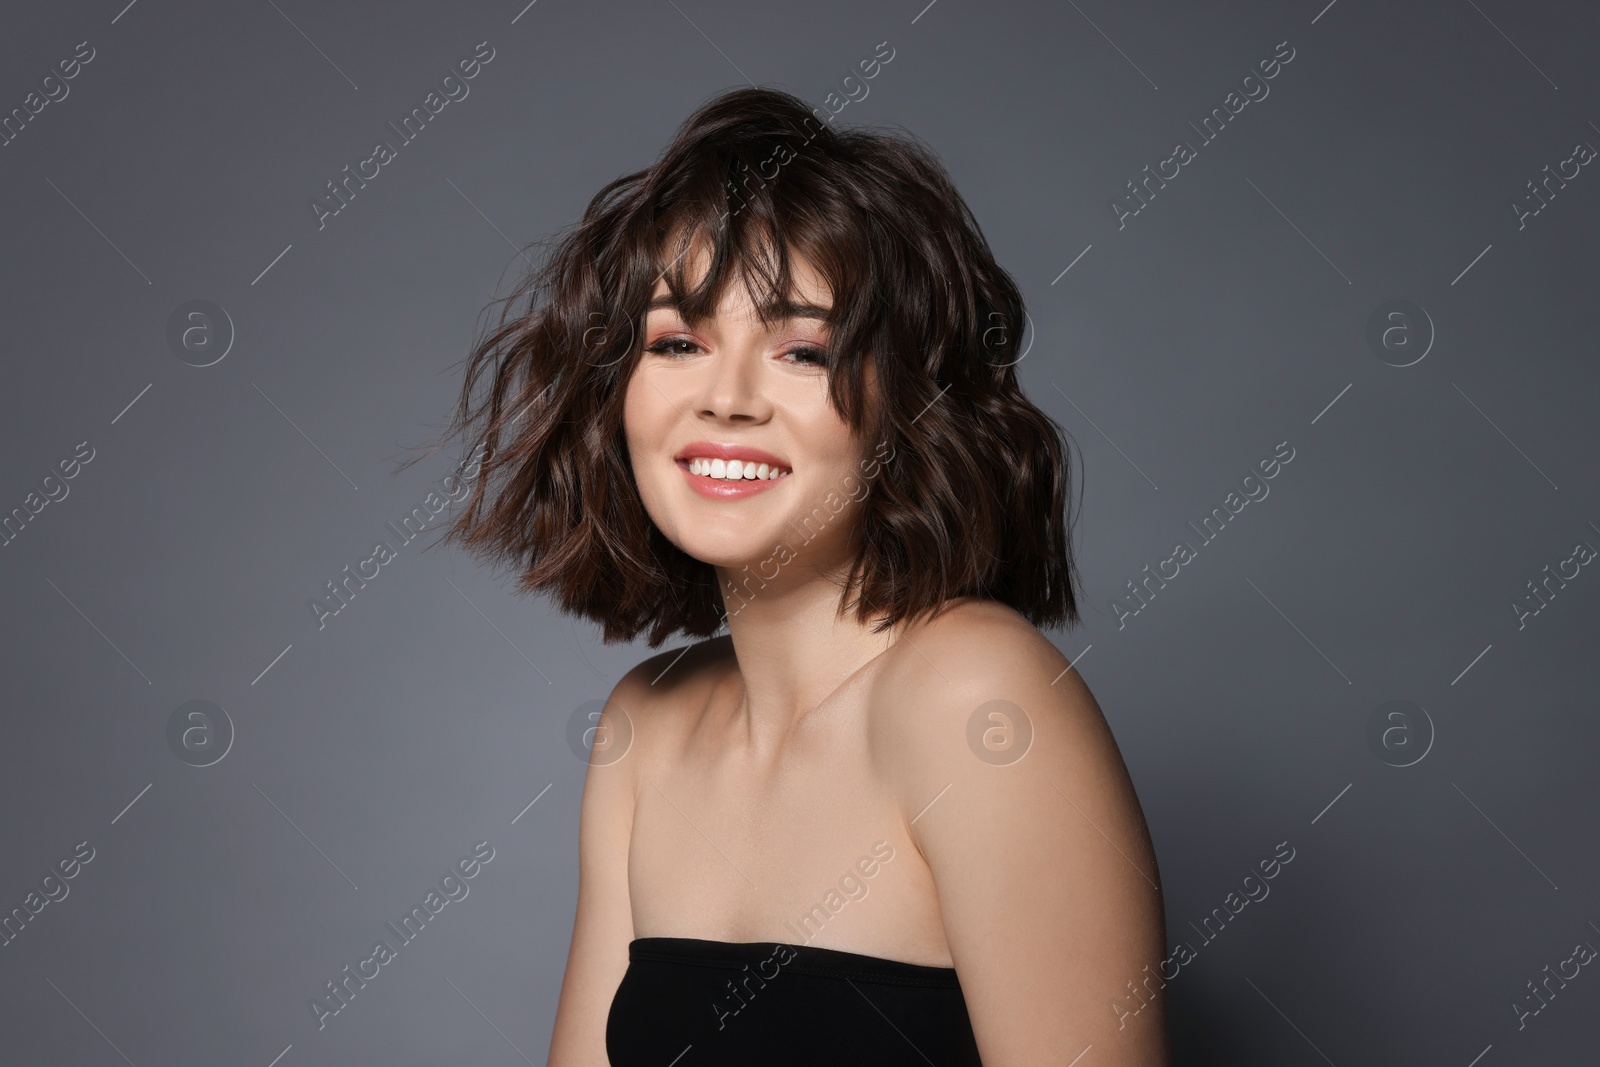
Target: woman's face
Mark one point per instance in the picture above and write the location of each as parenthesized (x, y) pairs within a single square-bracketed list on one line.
[(732, 390)]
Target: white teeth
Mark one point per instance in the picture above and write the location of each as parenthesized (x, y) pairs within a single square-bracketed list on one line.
[(735, 470)]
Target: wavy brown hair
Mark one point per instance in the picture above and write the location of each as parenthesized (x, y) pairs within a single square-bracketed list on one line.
[(975, 499)]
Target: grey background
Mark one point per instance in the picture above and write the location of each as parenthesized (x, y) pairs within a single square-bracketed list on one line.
[(1178, 351)]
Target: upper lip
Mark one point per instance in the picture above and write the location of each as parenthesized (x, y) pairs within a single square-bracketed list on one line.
[(742, 453)]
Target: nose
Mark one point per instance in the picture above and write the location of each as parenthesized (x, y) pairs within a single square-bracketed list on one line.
[(731, 388)]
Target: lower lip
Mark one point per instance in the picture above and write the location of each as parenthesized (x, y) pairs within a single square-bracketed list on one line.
[(725, 489)]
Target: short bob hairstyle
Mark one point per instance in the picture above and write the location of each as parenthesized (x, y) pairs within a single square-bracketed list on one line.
[(973, 498)]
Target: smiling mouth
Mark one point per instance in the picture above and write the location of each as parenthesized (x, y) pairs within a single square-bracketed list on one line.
[(733, 470)]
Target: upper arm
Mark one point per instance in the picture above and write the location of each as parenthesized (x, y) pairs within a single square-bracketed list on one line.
[(603, 926), (1046, 877)]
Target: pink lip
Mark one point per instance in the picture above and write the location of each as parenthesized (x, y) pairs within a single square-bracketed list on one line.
[(707, 450), (726, 489)]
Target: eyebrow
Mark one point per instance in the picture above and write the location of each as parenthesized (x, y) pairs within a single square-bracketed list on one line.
[(787, 309)]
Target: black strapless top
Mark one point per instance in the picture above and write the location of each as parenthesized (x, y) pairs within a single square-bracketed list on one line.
[(688, 1002)]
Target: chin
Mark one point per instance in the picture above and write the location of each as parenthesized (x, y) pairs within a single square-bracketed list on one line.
[(733, 550)]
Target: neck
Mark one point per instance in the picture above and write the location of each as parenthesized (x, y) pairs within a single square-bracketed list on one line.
[(794, 649)]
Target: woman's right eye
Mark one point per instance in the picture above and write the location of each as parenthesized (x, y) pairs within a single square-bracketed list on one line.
[(668, 346)]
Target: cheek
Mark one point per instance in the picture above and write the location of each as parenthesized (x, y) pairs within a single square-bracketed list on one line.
[(646, 426), (639, 418)]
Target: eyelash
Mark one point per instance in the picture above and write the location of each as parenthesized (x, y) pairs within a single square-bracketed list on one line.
[(818, 356)]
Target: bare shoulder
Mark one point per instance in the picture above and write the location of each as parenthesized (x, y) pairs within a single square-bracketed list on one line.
[(979, 661), (662, 694), (1017, 799), (640, 710)]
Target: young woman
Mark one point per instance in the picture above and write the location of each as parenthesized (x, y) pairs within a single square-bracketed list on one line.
[(767, 387)]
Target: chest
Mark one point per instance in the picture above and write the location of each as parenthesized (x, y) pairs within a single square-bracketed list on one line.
[(809, 849)]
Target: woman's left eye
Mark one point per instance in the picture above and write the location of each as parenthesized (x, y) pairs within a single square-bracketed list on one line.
[(665, 346), (808, 354), (805, 355)]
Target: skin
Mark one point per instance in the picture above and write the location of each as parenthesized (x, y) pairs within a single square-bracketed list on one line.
[(765, 764)]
